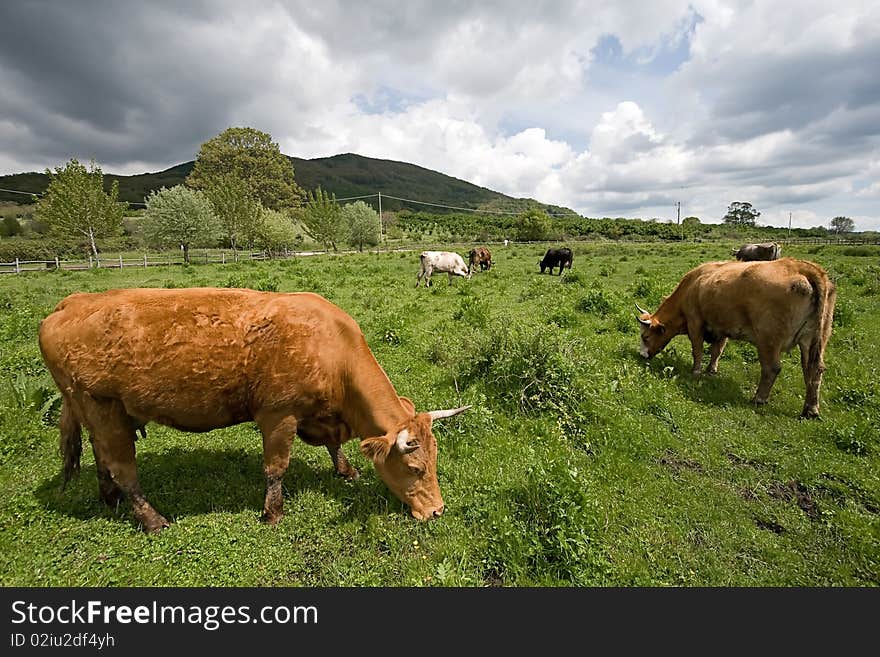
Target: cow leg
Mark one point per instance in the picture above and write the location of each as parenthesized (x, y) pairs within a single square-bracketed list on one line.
[(277, 430), (695, 333), (340, 463), (113, 435), (771, 364), (715, 351), (813, 366), (111, 494)]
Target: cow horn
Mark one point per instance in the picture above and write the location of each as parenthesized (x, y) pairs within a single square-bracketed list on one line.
[(403, 443), (439, 415), (643, 322), (642, 310)]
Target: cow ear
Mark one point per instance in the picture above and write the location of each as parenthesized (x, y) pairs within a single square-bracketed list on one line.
[(377, 449), (408, 405)]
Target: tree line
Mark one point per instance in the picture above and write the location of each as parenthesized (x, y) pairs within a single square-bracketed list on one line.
[(242, 193)]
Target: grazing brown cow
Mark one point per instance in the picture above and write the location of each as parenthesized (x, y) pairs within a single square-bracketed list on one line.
[(763, 251), (204, 358), (480, 256), (774, 305)]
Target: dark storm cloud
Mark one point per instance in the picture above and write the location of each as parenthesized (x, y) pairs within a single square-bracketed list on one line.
[(114, 81)]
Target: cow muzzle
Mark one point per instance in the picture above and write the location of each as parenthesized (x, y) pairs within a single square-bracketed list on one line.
[(427, 514)]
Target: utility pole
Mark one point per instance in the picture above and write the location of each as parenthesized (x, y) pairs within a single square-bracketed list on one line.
[(678, 220), (381, 226), (789, 225)]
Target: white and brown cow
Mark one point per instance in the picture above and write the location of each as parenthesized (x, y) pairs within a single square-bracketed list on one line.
[(774, 305), (204, 358), (443, 262)]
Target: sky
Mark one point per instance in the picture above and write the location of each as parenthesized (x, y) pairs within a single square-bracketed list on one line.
[(650, 110)]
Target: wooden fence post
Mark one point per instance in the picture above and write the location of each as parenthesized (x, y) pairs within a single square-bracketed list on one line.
[(145, 261), (17, 268), (57, 263), (223, 257), (90, 261), (120, 261)]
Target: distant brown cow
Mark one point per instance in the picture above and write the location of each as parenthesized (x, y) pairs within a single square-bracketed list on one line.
[(774, 305), (763, 251), (204, 358), (480, 256)]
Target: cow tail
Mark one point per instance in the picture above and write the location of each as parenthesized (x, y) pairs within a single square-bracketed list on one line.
[(70, 442), (824, 299)]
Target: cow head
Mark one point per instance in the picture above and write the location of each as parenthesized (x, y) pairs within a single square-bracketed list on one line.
[(654, 334), (406, 459)]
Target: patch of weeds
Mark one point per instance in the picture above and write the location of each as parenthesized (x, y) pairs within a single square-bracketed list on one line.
[(843, 314), (573, 278), (472, 310), (860, 439), (597, 301), (546, 530)]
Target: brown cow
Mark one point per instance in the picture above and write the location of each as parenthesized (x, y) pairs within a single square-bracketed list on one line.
[(480, 256), (204, 358), (774, 305)]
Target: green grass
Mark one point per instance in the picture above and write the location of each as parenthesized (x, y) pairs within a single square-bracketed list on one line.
[(579, 465)]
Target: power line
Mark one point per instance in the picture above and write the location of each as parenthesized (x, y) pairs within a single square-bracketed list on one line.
[(452, 207), (353, 198), (18, 191)]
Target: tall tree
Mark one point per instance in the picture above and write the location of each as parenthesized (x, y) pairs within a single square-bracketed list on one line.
[(251, 156), (322, 219), (741, 214), (75, 203), (363, 224), (842, 225), (237, 211), (180, 216)]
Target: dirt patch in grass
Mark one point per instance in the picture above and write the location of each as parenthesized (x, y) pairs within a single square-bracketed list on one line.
[(678, 463), (769, 525), (794, 490)]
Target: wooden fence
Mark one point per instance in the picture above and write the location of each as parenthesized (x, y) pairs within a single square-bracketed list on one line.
[(119, 262)]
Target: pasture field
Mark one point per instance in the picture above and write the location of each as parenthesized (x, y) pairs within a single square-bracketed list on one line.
[(579, 464)]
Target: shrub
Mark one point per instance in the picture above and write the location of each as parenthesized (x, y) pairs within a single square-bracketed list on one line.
[(545, 531), (596, 301)]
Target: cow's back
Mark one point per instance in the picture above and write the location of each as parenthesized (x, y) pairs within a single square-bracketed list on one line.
[(194, 358), (755, 298)]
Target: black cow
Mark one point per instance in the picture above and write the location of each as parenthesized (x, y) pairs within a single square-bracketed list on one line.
[(557, 258)]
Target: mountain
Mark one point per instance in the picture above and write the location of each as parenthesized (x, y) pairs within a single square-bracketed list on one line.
[(344, 175)]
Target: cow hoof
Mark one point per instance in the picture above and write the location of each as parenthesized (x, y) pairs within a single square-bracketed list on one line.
[(811, 413), (757, 401), (352, 475), (696, 374), (711, 372), (271, 518)]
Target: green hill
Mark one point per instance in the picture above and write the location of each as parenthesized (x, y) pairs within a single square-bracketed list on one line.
[(344, 175)]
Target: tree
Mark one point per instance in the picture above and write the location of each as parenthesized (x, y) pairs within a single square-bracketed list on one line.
[(75, 203), (237, 211), (741, 214), (251, 156), (180, 216), (276, 232), (363, 224), (842, 225), (322, 219), (10, 226), (533, 225)]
